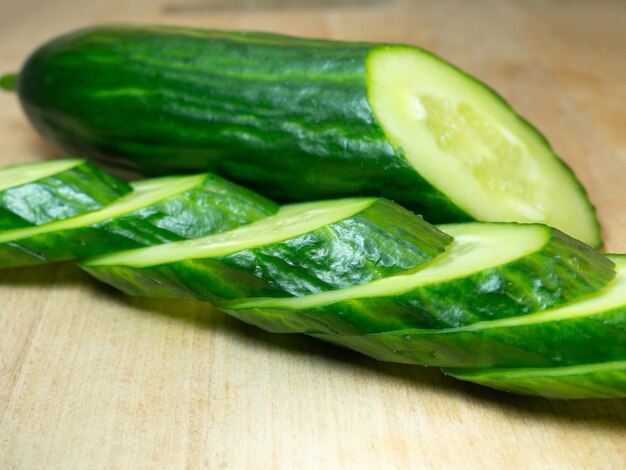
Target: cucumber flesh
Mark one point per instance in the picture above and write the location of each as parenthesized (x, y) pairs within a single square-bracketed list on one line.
[(304, 248), (490, 271), (468, 143), (17, 175), (603, 380), (156, 211), (589, 330), (42, 192)]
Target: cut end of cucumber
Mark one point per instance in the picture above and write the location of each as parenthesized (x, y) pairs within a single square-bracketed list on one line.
[(145, 193), (476, 247), (17, 175), (469, 144), (290, 221)]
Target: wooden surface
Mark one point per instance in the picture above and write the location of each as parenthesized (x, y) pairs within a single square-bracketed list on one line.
[(90, 379)]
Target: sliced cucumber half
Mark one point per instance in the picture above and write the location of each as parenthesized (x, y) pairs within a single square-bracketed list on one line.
[(490, 271), (290, 221), (42, 192), (156, 211), (304, 248), (144, 193), (589, 330)]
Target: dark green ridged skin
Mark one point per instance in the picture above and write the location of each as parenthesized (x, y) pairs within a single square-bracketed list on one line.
[(564, 342), (588, 333), (83, 188), (608, 381), (375, 242), (563, 270), (289, 117), (214, 205)]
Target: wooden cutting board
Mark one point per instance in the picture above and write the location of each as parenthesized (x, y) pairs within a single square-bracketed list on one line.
[(91, 379)]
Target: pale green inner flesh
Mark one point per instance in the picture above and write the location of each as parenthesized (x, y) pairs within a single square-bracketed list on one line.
[(290, 221), (144, 193), (18, 175), (611, 297), (476, 247), (505, 374), (471, 146)]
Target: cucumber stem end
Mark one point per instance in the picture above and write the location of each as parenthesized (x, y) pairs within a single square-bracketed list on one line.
[(8, 82)]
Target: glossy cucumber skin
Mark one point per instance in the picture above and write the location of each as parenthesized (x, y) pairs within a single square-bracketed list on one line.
[(597, 338), (289, 117), (81, 189), (381, 240), (562, 271), (551, 383), (213, 206)]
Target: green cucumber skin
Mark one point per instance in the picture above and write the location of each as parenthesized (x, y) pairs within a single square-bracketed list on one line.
[(594, 384), (557, 343), (288, 117), (214, 206), (81, 189), (564, 270), (381, 240)]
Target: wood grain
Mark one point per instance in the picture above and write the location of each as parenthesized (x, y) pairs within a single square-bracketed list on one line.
[(90, 379)]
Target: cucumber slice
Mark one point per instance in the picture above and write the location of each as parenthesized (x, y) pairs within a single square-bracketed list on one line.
[(469, 144), (157, 211), (304, 248), (603, 380), (42, 192), (590, 330), (490, 271)]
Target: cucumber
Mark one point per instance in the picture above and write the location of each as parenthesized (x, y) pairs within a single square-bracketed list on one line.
[(42, 192), (490, 271), (590, 330), (301, 119), (156, 211), (603, 380), (304, 248)]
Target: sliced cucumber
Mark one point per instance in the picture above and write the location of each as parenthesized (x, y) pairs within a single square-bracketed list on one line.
[(42, 192), (589, 330), (157, 211), (304, 248), (490, 271), (603, 380)]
